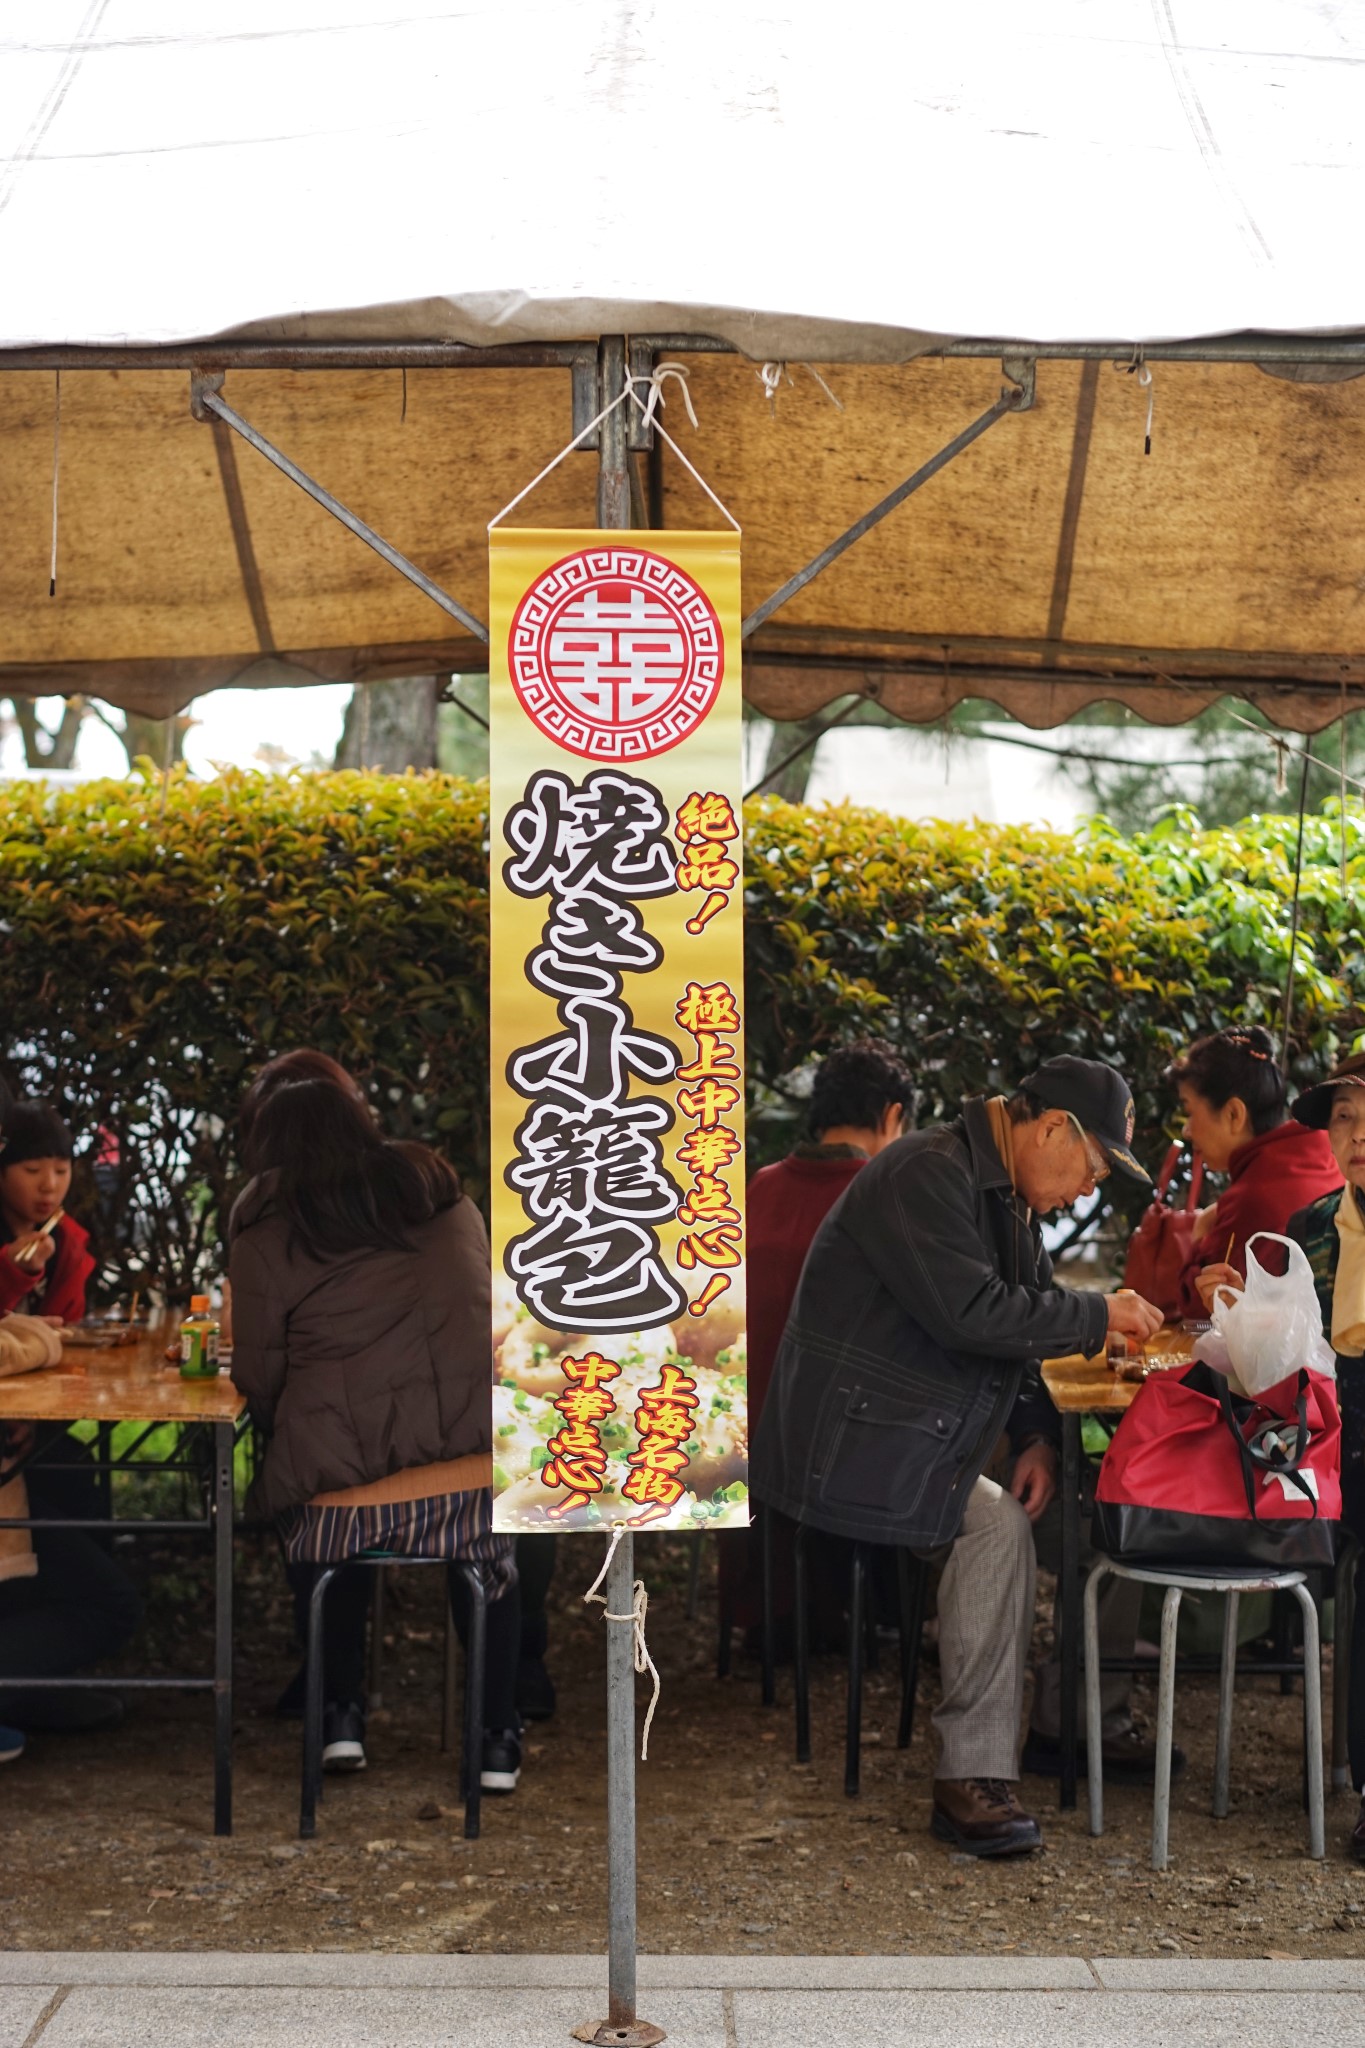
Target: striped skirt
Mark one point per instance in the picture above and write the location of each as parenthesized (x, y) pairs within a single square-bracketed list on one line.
[(444, 1525)]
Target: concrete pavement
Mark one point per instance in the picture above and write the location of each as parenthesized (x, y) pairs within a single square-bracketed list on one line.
[(335, 2000)]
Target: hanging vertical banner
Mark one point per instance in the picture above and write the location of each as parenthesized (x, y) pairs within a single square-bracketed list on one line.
[(617, 1038)]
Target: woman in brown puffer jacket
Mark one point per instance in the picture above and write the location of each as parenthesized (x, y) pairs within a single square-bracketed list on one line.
[(361, 1339)]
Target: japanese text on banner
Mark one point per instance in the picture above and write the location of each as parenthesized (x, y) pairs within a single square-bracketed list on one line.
[(617, 1033)]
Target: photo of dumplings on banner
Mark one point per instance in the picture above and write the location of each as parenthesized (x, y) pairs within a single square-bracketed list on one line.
[(617, 1034)]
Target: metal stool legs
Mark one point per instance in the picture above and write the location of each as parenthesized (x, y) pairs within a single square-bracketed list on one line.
[(311, 1789), (1346, 1589), (800, 1647), (857, 1648), (471, 1747), (765, 1546), (1312, 1715), (912, 1582), (1227, 1678), (471, 1758), (1165, 1724), (376, 1683)]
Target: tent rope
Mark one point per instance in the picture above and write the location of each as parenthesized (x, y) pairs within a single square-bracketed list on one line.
[(1294, 919), (654, 383)]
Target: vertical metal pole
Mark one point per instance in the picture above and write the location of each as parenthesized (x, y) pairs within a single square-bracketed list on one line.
[(613, 474), (613, 511), (621, 1789), (621, 2025)]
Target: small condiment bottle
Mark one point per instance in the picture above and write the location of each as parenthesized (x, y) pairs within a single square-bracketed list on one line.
[(199, 1341)]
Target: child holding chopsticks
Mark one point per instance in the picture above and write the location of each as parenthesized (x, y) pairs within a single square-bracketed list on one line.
[(44, 1256)]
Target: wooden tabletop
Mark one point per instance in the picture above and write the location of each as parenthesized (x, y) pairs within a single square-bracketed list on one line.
[(1085, 1386), (122, 1383)]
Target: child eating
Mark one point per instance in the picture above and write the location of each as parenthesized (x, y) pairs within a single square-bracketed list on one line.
[(44, 1264)]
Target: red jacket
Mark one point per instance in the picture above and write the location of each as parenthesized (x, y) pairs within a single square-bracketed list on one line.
[(65, 1275), (787, 1203), (1268, 1179)]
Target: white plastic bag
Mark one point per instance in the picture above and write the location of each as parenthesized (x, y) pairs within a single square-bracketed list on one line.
[(1273, 1327)]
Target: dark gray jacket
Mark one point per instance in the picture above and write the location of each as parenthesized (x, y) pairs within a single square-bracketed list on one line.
[(924, 1304)]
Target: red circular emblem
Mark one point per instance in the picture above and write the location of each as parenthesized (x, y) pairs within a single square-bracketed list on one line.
[(616, 654)]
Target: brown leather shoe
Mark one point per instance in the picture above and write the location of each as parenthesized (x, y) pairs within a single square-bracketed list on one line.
[(1358, 1835), (982, 1816)]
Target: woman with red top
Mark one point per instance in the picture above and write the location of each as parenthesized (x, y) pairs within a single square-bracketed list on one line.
[(43, 1272), (1233, 1093)]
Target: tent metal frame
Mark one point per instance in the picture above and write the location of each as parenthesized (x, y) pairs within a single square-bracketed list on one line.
[(1214, 673)]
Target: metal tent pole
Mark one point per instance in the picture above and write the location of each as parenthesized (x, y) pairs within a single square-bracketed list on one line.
[(621, 2025)]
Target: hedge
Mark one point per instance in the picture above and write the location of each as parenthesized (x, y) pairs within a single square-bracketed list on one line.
[(154, 949)]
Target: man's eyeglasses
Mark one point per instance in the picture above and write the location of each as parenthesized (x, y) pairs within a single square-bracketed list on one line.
[(1095, 1159)]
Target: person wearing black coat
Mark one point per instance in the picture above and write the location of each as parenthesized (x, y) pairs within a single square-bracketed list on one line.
[(924, 1306)]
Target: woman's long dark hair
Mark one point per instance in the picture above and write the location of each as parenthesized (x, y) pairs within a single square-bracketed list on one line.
[(305, 1063), (338, 1184)]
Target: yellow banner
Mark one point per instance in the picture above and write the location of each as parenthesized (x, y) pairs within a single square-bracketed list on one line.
[(617, 1039)]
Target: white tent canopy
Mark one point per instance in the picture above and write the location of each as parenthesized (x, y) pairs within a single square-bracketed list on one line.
[(803, 180), (314, 196)]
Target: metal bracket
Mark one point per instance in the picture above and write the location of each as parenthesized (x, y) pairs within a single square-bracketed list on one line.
[(589, 396), (204, 384), (207, 404), (1022, 372)]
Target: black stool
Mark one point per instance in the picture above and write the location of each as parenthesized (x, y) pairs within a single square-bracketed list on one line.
[(912, 1578), (471, 1751)]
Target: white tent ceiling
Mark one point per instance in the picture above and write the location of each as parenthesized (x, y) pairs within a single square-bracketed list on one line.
[(803, 179), (853, 185)]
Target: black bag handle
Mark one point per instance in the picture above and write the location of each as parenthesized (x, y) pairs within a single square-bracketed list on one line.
[(1257, 1459)]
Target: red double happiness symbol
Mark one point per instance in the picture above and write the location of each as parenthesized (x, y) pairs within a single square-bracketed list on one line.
[(616, 654)]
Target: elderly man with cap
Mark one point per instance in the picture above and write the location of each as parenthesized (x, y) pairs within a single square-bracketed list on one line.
[(925, 1303)]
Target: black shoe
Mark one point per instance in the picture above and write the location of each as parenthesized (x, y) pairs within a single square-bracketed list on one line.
[(982, 1817), (501, 1765), (1127, 1759), (535, 1690), (291, 1702), (343, 1737)]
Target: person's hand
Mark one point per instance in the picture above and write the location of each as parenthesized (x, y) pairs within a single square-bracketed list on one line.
[(32, 1253), (1212, 1278), (1203, 1222), (1131, 1316), (1034, 1481)]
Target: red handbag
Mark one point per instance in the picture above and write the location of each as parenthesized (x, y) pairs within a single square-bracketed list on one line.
[(1160, 1247), (1196, 1476)]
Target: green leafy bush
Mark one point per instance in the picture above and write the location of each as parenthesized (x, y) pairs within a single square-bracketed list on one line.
[(153, 953), (981, 949), (151, 957)]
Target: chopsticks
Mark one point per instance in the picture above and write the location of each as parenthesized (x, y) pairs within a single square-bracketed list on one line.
[(44, 1230)]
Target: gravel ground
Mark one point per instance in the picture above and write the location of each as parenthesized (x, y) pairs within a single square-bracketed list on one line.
[(107, 1842)]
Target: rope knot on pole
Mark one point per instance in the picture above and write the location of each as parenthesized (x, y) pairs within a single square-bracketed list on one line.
[(635, 1621)]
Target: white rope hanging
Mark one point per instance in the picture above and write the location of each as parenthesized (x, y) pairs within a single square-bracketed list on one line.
[(1140, 368), (639, 1609)]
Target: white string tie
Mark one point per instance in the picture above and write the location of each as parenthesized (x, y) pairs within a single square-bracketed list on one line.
[(628, 392), (639, 1610), (656, 390), (772, 376), (1139, 367)]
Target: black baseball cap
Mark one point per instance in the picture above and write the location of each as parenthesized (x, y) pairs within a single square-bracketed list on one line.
[(1100, 1100)]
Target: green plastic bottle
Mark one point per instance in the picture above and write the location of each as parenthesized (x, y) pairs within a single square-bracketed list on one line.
[(199, 1341)]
